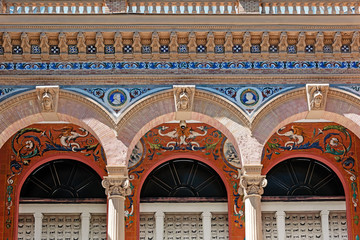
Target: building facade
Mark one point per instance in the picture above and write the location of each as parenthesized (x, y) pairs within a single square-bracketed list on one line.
[(179, 120)]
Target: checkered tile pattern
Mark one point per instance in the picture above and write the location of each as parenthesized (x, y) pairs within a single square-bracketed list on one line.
[(146, 49), (183, 48), (164, 49), (309, 49), (273, 49), (127, 49), (345, 48), (201, 49), (91, 49), (17, 49), (237, 49), (219, 49), (109, 49), (35, 49), (327, 49), (291, 49), (255, 49), (73, 49), (54, 50)]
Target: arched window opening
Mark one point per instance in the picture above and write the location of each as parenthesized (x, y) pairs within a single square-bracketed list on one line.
[(170, 202), (183, 180), (304, 199), (62, 199)]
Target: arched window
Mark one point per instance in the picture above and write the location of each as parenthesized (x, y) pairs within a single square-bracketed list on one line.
[(307, 197), (172, 194), (62, 199)]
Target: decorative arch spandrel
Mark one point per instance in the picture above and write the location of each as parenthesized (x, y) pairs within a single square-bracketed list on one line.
[(197, 141), (33, 146), (328, 142)]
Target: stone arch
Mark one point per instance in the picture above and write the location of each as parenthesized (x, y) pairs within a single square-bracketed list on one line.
[(160, 108), (72, 108), (341, 107)]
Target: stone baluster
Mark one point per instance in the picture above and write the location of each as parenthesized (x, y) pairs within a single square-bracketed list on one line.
[(341, 6), (333, 8), (252, 184), (218, 8), (202, 7), (162, 7), (146, 7), (117, 187), (287, 8), (137, 7), (271, 8), (154, 10), (130, 7), (226, 7), (178, 11), (210, 11), (193, 7), (186, 7), (170, 8), (356, 8)]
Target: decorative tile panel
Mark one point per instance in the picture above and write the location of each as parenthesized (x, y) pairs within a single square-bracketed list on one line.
[(327, 48), (269, 226), (147, 226), (219, 49), (219, 226), (1, 50), (127, 49), (183, 48), (255, 49), (109, 49), (237, 49), (72, 49), (91, 49), (26, 227), (273, 49), (6, 92), (61, 227), (183, 227), (17, 49), (303, 226), (55, 50), (338, 226), (97, 227), (164, 49), (249, 98), (35, 49), (201, 49), (345, 48), (146, 49), (309, 49), (291, 49)]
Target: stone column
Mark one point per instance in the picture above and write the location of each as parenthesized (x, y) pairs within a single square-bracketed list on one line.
[(117, 187), (325, 224), (38, 225), (280, 224), (85, 225), (206, 221), (252, 183), (159, 225)]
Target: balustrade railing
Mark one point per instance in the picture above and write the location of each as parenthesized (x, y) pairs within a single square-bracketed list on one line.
[(270, 7), (309, 7)]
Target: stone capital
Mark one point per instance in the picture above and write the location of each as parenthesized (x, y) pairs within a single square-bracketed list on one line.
[(117, 183), (252, 183)]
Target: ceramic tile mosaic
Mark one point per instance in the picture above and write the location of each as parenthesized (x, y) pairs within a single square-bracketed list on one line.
[(219, 49), (91, 49), (72, 49), (237, 49), (17, 49), (146, 49), (273, 49), (201, 49), (255, 49), (309, 49), (183, 48), (345, 48), (164, 49), (327, 48), (291, 49), (109, 49), (127, 49), (54, 50), (35, 49)]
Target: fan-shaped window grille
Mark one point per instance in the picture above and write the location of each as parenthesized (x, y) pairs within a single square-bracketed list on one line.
[(183, 178), (63, 179), (302, 177)]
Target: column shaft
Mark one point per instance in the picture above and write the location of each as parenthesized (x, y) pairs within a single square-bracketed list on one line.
[(37, 225), (280, 224), (159, 224), (116, 220), (325, 224), (253, 228), (206, 221)]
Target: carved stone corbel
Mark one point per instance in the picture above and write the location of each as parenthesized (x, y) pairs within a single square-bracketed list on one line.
[(63, 46), (316, 99), (155, 46), (228, 45), (301, 44), (45, 47), (100, 46), (355, 45), (25, 45), (137, 46), (48, 97), (81, 45), (118, 45), (210, 46), (184, 100), (319, 45), (192, 45), (252, 183), (246, 46), (117, 183), (7, 46), (265, 44), (173, 46), (337, 45), (283, 45)]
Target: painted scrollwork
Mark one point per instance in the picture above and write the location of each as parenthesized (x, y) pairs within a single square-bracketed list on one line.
[(116, 186)]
